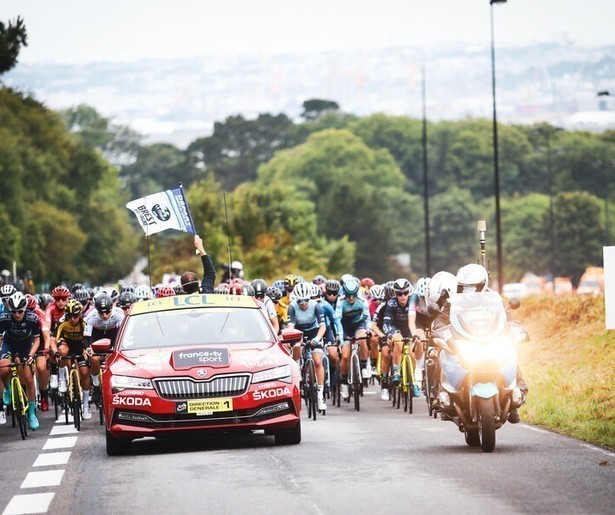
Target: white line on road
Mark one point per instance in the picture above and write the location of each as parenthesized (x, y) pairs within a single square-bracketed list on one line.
[(599, 449), (30, 503), (538, 430), (60, 443), (44, 478), (52, 458), (63, 430)]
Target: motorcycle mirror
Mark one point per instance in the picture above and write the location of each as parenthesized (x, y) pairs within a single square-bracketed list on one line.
[(433, 308), (514, 303)]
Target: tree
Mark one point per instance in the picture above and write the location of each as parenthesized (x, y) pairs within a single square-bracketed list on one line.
[(12, 37), (238, 147), (316, 107)]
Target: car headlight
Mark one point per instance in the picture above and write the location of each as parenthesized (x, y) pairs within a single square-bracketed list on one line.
[(123, 382), (283, 373)]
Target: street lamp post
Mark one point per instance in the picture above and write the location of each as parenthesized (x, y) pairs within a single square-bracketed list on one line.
[(425, 183), (496, 165)]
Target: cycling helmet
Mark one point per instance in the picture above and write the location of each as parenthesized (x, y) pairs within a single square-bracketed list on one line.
[(165, 291), (17, 301), (247, 289), (236, 289), (351, 287), (402, 285), (260, 287), (126, 299), (442, 285), (32, 302), (376, 292), (73, 307), (319, 279), (316, 291), (219, 290), (290, 281), (75, 287), (471, 278), (142, 293), (301, 291), (273, 293), (237, 268), (45, 300), (367, 283), (129, 287), (332, 286), (103, 302), (82, 296), (421, 287), (7, 290), (388, 291), (345, 277), (279, 284), (60, 292)]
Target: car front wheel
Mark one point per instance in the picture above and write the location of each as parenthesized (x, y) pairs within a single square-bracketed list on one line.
[(290, 436), (117, 446)]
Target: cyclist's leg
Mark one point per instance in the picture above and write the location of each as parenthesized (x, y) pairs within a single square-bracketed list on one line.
[(42, 376), (27, 377), (396, 342)]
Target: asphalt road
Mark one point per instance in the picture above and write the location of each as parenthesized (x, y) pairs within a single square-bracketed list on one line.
[(379, 460)]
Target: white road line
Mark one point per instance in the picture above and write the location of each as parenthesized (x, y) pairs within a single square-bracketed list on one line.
[(30, 503), (599, 449), (43, 478), (63, 430), (52, 458), (538, 430), (60, 443)]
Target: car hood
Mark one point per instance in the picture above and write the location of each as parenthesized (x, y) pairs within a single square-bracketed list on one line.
[(190, 359)]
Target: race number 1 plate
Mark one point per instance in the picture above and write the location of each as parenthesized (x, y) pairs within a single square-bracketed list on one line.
[(204, 406)]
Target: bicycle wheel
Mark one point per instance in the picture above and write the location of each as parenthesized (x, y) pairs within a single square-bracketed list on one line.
[(76, 402), (356, 381), (18, 409), (336, 381), (312, 390)]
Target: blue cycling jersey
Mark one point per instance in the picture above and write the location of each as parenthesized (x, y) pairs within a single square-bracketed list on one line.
[(351, 314), (306, 319)]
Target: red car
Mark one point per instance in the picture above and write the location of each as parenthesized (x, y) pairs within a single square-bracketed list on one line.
[(199, 363)]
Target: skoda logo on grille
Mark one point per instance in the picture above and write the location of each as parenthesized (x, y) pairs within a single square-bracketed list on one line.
[(201, 373)]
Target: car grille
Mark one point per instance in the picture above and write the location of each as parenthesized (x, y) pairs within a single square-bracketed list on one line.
[(188, 388)]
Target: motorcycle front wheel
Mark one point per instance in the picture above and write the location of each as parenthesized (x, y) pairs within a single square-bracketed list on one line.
[(486, 424)]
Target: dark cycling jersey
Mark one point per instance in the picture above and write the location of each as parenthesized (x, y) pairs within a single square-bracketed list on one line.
[(17, 337), (396, 318)]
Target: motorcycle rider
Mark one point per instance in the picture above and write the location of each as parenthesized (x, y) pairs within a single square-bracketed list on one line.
[(475, 278)]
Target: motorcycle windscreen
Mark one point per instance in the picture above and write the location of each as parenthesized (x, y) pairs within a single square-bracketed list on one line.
[(477, 315)]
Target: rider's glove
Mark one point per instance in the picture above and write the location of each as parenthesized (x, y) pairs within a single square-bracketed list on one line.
[(30, 360), (57, 355), (316, 343)]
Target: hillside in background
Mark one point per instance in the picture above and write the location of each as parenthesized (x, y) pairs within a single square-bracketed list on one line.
[(176, 101)]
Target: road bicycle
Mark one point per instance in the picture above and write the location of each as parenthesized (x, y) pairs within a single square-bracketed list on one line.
[(308, 379), (71, 399), (333, 377), (401, 391), (430, 377), (355, 382), (19, 399)]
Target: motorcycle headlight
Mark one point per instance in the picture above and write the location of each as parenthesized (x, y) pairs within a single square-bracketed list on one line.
[(283, 373), (495, 350), (123, 382)]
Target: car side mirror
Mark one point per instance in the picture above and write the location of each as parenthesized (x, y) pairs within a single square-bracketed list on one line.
[(433, 308), (102, 346), (514, 303), (291, 336)]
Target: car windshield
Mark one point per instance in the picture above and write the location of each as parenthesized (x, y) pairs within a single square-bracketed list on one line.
[(196, 326)]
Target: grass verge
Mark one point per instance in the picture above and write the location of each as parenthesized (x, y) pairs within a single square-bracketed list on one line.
[(569, 366)]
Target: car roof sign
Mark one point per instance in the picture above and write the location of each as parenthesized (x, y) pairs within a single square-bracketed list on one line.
[(192, 301)]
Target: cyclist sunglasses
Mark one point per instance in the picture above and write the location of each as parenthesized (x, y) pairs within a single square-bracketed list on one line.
[(18, 311), (301, 301)]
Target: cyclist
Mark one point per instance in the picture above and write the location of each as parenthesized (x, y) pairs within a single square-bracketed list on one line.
[(419, 320), (396, 325), (352, 320), (141, 293), (290, 281), (6, 290), (307, 315), (69, 338), (83, 296), (126, 300), (274, 293), (20, 339), (266, 304), (104, 322), (42, 375), (332, 291)]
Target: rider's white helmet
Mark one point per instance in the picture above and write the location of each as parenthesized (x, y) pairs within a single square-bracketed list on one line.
[(441, 283), (472, 278)]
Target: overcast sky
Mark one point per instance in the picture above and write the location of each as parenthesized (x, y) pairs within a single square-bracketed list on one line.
[(78, 31)]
